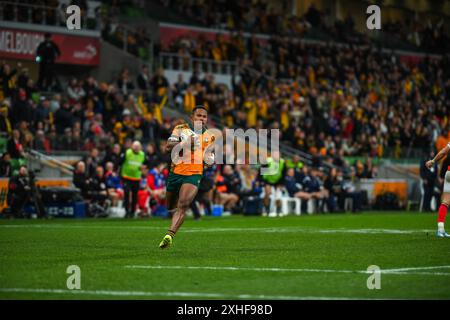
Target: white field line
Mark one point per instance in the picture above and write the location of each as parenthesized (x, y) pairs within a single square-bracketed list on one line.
[(171, 294), (417, 268), (401, 271), (233, 229)]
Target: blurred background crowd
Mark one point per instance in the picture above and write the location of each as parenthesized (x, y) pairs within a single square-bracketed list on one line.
[(330, 101)]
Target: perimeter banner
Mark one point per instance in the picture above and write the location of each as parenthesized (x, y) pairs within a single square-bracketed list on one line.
[(22, 44)]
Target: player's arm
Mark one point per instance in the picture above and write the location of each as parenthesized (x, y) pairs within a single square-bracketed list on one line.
[(441, 154), (174, 139)]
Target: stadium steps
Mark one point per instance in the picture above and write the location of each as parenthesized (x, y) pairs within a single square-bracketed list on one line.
[(49, 166)]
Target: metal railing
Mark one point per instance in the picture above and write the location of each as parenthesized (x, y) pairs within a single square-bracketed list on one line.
[(49, 161), (174, 61), (41, 14), (119, 38)]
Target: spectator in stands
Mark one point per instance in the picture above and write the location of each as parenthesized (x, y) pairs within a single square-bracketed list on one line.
[(42, 111), (151, 156), (55, 102), (5, 123), (160, 84), (359, 169), (66, 141), (90, 87), (143, 79), (14, 146), (370, 169), (47, 53), (179, 88), (21, 110), (5, 165), (75, 91), (124, 83), (6, 75), (41, 143), (295, 162), (63, 119), (92, 161), (113, 155)]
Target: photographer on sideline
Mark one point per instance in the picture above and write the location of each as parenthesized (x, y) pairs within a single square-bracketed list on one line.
[(21, 190)]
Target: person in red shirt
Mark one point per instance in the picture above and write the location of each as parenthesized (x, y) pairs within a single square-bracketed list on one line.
[(152, 187)]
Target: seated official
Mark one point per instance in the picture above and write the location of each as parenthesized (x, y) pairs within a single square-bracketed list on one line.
[(225, 188), (113, 184)]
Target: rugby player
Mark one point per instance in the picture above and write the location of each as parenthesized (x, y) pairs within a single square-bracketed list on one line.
[(445, 199), (184, 176)]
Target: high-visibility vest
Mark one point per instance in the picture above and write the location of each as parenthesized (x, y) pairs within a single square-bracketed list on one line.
[(131, 168)]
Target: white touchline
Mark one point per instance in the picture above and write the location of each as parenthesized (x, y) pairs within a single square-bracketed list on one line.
[(173, 294), (403, 271), (231, 229), (416, 268), (241, 269)]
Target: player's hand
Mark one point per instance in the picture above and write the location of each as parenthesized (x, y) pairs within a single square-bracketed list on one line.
[(429, 164), (195, 142)]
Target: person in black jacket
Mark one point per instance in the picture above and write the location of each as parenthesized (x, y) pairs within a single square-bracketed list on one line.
[(46, 54), (14, 145), (429, 180), (98, 190), (80, 179), (113, 155), (333, 183), (19, 192), (6, 74), (63, 118), (21, 109), (143, 79), (5, 165)]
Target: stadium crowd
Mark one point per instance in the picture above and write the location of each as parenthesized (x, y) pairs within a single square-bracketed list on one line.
[(340, 103), (48, 12), (260, 17), (325, 99), (102, 119), (331, 102)]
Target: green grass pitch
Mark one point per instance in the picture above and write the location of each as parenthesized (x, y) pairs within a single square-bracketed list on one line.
[(306, 257)]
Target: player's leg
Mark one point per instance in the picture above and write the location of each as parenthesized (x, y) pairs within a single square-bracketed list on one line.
[(134, 196), (126, 200), (171, 203), (445, 203), (186, 195), (267, 194)]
